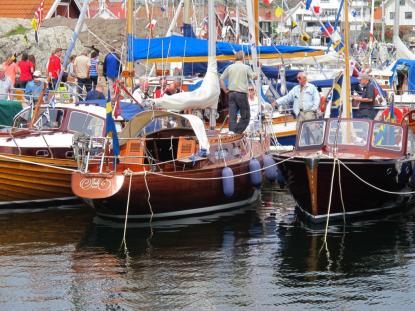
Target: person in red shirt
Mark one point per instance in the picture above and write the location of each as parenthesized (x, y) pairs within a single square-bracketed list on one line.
[(54, 66), (159, 92), (26, 70)]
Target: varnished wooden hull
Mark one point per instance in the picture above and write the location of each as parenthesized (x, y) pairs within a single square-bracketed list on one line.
[(172, 197), (309, 181), (27, 185)]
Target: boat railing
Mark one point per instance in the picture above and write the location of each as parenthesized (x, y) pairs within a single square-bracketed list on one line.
[(98, 151)]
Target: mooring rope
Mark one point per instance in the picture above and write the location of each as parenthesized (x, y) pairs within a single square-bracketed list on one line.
[(38, 164), (126, 213), (206, 178)]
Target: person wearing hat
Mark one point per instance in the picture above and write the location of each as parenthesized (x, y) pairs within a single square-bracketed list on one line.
[(54, 66), (366, 99), (34, 87), (5, 84), (305, 99)]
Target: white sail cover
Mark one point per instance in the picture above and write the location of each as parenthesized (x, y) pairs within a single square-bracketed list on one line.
[(402, 50), (206, 96)]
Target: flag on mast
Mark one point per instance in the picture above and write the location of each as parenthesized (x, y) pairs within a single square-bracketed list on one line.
[(37, 20)]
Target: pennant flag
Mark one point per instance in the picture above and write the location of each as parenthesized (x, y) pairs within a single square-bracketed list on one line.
[(316, 9), (293, 24), (268, 2), (305, 37), (337, 90), (152, 24), (308, 4), (327, 30), (279, 12), (110, 129)]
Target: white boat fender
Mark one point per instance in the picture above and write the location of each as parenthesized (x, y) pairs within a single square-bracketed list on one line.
[(255, 172), (228, 182), (271, 172)]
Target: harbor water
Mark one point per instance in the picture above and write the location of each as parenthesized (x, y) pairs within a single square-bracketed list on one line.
[(257, 258)]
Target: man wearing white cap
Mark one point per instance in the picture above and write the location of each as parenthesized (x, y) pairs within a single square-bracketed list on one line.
[(34, 87), (5, 85), (366, 98)]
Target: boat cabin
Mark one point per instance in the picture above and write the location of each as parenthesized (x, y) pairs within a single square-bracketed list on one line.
[(64, 118), (372, 139)]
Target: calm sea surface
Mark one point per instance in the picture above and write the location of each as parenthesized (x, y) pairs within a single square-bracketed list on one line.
[(258, 258)]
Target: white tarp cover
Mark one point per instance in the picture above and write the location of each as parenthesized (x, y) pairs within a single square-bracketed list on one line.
[(143, 119), (206, 96)]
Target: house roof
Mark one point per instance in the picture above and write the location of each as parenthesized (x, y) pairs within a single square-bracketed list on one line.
[(23, 8)]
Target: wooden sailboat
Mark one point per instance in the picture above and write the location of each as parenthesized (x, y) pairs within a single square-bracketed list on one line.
[(169, 164), (36, 163), (349, 167)]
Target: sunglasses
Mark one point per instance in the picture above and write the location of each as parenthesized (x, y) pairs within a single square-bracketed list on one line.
[(250, 90)]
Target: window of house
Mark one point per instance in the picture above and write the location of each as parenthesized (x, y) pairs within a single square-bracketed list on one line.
[(392, 15), (408, 15), (402, 2)]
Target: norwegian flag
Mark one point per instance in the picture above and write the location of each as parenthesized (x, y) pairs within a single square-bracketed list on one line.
[(327, 29), (39, 14), (37, 20), (152, 24)]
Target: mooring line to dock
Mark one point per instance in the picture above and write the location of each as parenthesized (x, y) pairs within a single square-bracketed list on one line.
[(124, 241), (38, 164), (330, 198), (150, 207)]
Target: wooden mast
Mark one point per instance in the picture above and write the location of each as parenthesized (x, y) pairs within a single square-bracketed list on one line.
[(347, 104), (256, 18), (130, 62)]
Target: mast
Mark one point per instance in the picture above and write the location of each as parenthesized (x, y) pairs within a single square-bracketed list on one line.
[(256, 19), (383, 21), (212, 63), (130, 62), (347, 105), (372, 17), (77, 29), (237, 26)]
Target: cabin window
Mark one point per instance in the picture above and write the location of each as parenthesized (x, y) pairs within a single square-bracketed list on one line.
[(408, 15), (387, 136), (410, 147), (85, 123), (312, 133), (48, 118), (349, 133), (392, 15)]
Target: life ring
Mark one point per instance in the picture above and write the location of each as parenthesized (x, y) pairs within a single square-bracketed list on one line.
[(323, 102), (385, 116)]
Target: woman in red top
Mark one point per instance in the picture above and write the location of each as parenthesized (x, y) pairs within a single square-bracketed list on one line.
[(26, 71)]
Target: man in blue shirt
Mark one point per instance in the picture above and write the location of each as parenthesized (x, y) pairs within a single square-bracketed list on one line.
[(112, 66), (34, 87), (305, 99)]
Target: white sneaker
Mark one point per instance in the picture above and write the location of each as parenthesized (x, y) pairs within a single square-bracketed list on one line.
[(230, 133)]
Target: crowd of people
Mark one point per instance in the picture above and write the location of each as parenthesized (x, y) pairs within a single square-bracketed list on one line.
[(81, 74)]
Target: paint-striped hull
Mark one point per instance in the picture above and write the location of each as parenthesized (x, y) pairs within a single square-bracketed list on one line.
[(25, 182)]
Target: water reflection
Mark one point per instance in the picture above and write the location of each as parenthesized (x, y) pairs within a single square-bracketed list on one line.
[(258, 257)]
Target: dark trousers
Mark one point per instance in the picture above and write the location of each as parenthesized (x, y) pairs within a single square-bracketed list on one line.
[(238, 101), (86, 82)]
